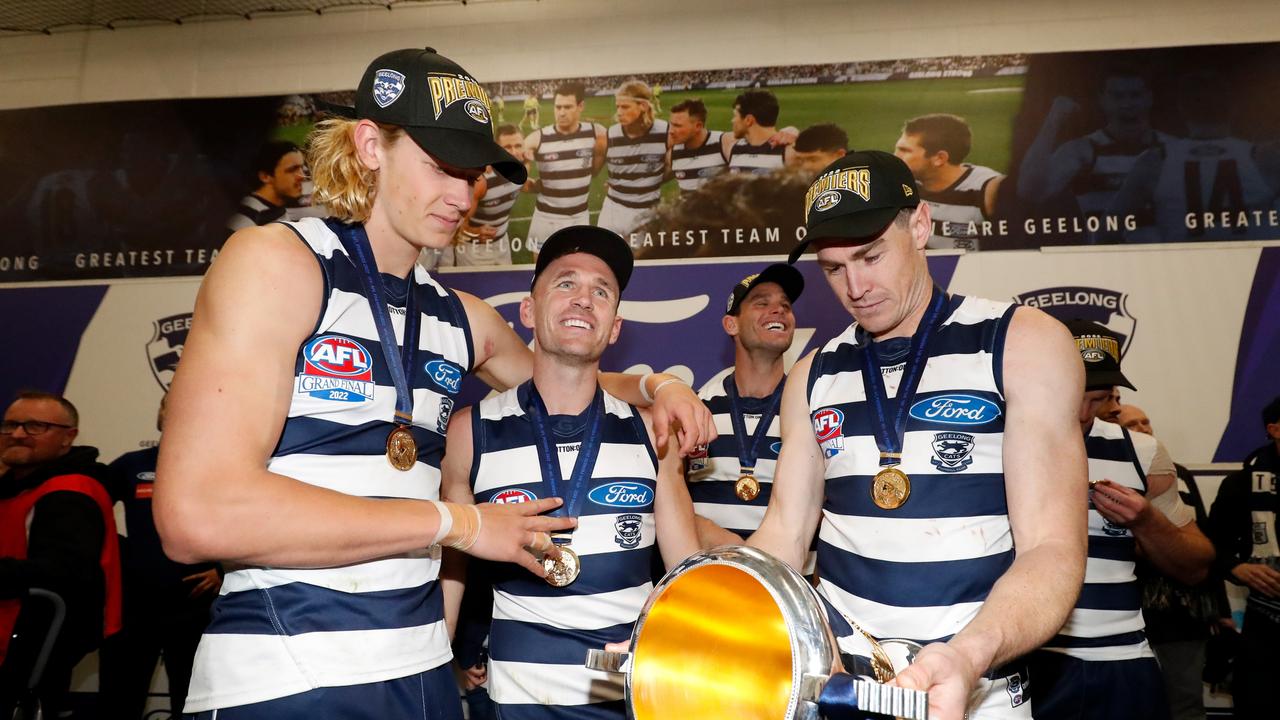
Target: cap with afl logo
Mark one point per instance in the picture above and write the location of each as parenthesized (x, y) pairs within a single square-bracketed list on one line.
[(787, 277), (604, 244), (1100, 350), (440, 106), (856, 197)]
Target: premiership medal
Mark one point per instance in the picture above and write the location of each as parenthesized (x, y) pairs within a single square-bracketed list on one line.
[(747, 488), (890, 488), (564, 571), (402, 449)]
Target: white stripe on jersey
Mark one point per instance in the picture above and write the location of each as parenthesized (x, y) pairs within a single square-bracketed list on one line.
[(518, 683), (371, 477), (272, 666), (908, 622), (933, 539), (606, 609), (395, 573)]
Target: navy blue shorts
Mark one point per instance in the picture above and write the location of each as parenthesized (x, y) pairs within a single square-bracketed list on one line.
[(431, 695), (1067, 688)]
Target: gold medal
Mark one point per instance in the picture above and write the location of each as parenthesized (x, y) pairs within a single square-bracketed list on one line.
[(890, 488), (564, 571), (402, 449), (747, 488)]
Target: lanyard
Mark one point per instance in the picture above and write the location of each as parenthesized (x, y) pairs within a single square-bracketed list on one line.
[(552, 478), (356, 242), (749, 451), (886, 410)]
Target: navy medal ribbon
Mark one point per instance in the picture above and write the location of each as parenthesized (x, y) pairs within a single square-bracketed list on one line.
[(356, 242), (894, 410), (552, 478), (749, 450)]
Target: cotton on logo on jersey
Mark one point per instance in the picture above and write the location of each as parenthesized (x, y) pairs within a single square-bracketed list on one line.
[(336, 368), (828, 430)]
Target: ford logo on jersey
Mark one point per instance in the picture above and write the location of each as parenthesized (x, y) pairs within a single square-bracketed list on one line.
[(620, 494), (445, 375), (956, 410)]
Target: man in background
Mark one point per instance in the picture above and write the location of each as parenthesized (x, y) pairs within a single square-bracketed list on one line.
[(279, 170), (166, 604), (731, 482), (637, 156), (482, 237), (568, 154), (697, 154), (961, 196), (57, 533), (817, 146), (1243, 527), (754, 147)]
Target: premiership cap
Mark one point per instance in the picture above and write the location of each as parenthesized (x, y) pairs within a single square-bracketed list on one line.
[(788, 277), (1100, 350), (440, 106), (604, 244), (856, 197)]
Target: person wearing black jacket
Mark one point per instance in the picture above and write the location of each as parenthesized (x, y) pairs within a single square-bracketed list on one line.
[(166, 603), (1242, 526), (56, 533)]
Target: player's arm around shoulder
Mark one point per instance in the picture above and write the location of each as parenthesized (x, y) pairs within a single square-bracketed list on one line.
[(799, 479), (215, 498), (672, 506), (502, 359)]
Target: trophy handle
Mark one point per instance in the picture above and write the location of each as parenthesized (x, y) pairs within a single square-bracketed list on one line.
[(613, 662)]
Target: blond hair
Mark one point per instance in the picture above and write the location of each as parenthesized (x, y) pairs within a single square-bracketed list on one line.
[(638, 91), (343, 184)]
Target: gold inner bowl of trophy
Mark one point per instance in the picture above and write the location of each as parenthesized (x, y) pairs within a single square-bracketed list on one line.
[(713, 645)]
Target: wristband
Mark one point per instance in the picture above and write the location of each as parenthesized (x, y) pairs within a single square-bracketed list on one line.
[(663, 384), (644, 391), (459, 525)]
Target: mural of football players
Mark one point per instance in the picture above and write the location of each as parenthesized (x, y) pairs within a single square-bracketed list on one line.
[(1209, 185), (817, 146), (697, 154), (961, 195), (1091, 167), (568, 154), (637, 159)]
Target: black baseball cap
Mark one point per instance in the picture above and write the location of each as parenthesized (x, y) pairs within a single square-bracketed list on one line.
[(1100, 350), (856, 197), (604, 244), (440, 105), (788, 277)]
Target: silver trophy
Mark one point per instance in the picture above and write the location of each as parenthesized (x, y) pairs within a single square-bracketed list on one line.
[(733, 632)]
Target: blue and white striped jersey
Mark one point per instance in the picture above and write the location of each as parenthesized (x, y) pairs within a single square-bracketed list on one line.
[(1106, 623), (280, 631), (541, 634)]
